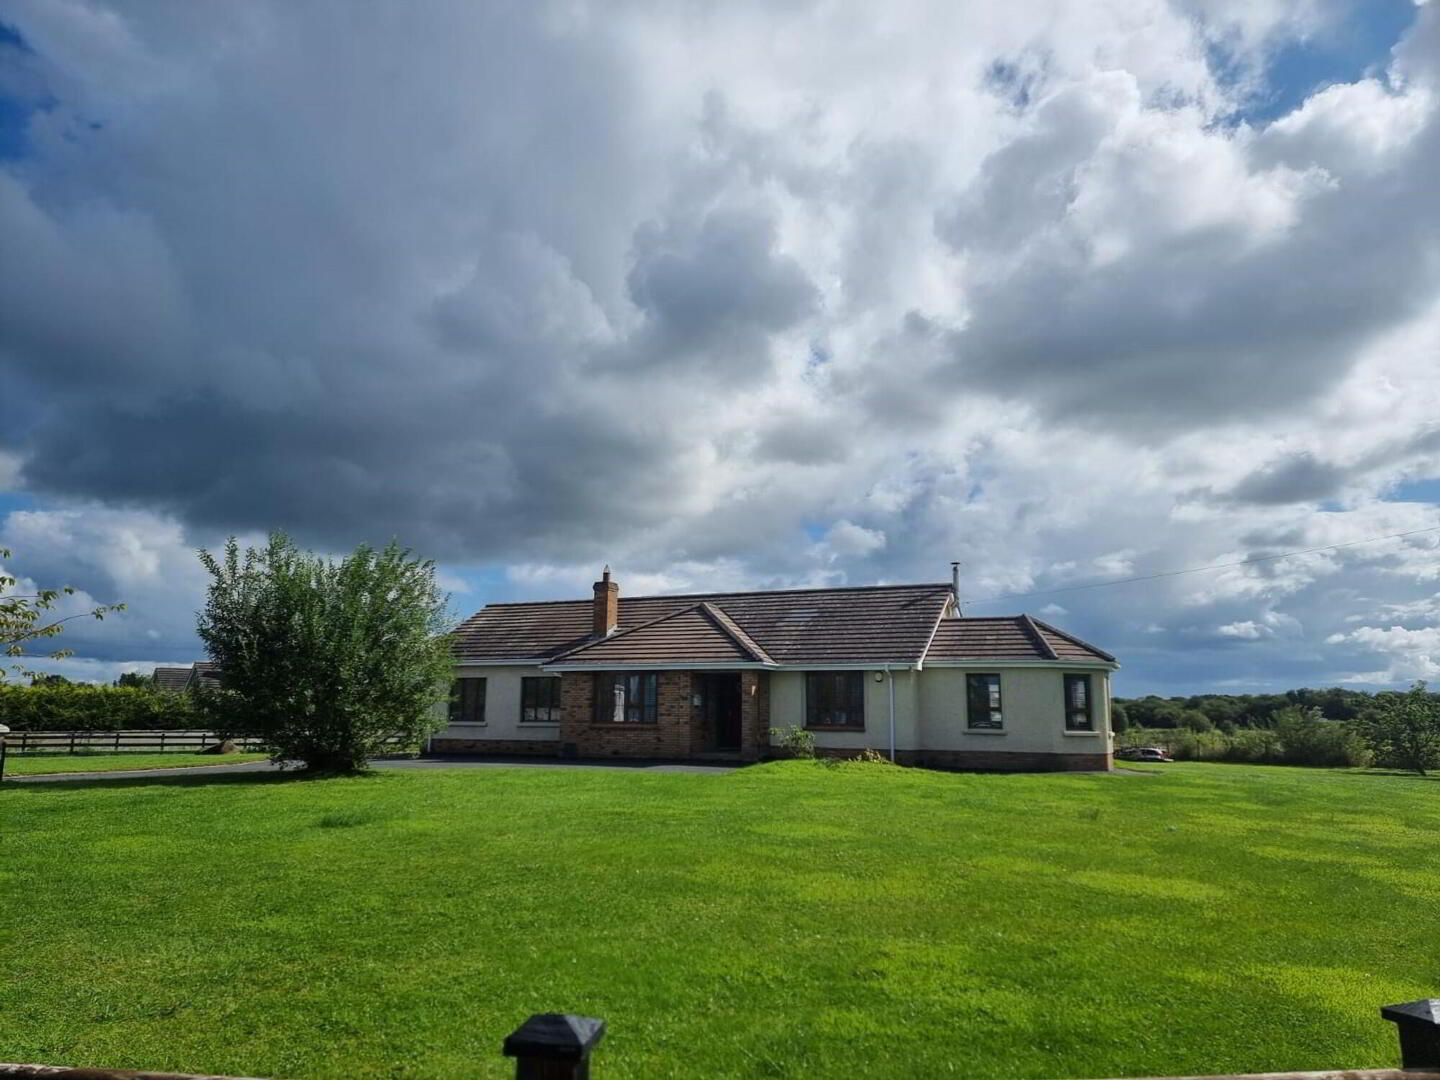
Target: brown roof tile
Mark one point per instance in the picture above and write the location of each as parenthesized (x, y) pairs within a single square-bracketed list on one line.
[(696, 635), (1008, 637)]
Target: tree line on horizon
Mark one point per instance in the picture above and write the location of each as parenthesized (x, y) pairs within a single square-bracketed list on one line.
[(1227, 712), (1328, 727)]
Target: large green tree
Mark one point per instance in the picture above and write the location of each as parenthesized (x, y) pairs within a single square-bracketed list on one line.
[(28, 617), (1404, 729), (324, 660)]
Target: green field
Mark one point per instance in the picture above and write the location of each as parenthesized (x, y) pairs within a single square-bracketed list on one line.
[(783, 920), (114, 761)]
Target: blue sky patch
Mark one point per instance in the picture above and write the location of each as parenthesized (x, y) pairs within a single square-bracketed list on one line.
[(1427, 491), (16, 106), (1349, 49)]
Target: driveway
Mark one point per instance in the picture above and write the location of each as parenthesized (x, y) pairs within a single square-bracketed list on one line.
[(395, 763)]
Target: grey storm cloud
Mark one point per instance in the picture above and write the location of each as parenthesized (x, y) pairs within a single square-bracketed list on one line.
[(545, 285)]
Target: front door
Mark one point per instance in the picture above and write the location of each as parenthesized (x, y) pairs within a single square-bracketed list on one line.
[(722, 710)]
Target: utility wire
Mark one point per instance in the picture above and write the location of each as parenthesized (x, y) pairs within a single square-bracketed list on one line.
[(1201, 569)]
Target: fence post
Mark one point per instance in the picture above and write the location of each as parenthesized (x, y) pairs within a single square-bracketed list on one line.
[(554, 1046), (1418, 1023)]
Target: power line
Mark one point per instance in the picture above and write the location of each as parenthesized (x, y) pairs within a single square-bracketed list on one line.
[(1201, 569)]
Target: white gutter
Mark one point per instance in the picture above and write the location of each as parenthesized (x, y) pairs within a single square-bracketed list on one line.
[(986, 663), (602, 665)]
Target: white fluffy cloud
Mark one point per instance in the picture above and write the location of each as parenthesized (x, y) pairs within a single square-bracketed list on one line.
[(733, 295)]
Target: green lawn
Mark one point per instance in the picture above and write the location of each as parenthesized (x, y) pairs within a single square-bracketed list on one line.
[(114, 761), (783, 920)]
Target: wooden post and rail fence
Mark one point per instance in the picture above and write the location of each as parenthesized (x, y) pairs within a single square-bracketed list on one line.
[(160, 740), (557, 1046)]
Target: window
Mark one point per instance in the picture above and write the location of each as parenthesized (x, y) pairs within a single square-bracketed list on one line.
[(626, 697), (467, 701), (982, 702), (1077, 704), (540, 700), (835, 699)]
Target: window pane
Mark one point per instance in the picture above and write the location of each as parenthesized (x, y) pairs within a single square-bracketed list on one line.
[(467, 701), (835, 699), (982, 701), (1077, 703)]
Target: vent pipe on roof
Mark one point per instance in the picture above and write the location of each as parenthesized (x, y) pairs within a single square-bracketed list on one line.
[(955, 587), (607, 606)]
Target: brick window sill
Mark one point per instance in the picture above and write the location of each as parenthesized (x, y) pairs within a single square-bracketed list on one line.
[(1082, 734), (537, 723), (624, 725)]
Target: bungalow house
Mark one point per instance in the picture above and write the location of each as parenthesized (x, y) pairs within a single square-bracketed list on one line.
[(894, 668)]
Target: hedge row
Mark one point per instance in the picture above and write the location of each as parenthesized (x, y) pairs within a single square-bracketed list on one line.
[(1321, 742), (74, 707)]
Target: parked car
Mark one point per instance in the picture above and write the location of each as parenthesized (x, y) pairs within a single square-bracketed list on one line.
[(1143, 753)]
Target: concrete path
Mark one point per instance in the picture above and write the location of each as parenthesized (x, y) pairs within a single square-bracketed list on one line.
[(395, 763)]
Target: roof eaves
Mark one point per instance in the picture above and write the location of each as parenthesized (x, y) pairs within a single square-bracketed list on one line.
[(1042, 646)]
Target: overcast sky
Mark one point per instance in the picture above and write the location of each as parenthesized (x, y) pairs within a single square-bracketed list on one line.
[(740, 296)]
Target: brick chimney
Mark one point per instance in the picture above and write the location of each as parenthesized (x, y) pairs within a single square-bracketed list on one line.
[(607, 605)]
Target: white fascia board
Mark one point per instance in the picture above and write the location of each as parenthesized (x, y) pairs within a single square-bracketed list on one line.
[(873, 665), (746, 665), (995, 662)]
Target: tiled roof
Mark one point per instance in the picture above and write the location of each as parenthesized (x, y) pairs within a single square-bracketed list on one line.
[(867, 624), (697, 635), (206, 673), (1008, 637), (171, 678), (875, 624)]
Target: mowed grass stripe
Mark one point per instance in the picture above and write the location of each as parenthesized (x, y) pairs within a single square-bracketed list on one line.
[(115, 761), (788, 919)]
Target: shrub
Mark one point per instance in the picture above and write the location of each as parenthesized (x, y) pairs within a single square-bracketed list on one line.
[(325, 661), (795, 741), (871, 756)]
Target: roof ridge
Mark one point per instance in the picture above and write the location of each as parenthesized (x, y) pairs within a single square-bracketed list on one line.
[(1072, 639), (1041, 642), (738, 592), (735, 631)]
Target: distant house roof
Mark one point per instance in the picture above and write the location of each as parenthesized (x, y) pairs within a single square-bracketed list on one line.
[(876, 624), (171, 678), (206, 674)]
